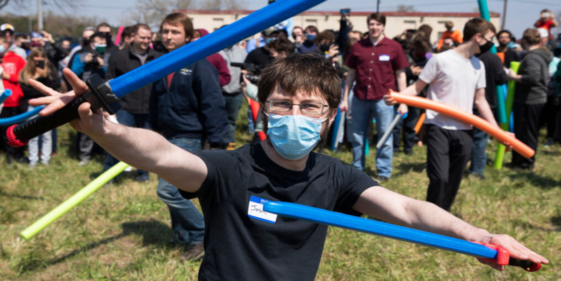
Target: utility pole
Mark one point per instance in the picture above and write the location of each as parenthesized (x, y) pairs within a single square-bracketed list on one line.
[(40, 15), (378, 6), (504, 15)]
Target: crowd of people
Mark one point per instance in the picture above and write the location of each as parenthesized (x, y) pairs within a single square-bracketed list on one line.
[(196, 108)]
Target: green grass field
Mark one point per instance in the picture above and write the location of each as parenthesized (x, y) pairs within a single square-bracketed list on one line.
[(122, 231)]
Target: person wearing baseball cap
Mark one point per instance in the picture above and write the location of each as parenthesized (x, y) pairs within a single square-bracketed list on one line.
[(8, 31)]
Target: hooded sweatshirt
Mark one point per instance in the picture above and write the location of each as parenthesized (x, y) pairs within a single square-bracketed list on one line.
[(534, 69), (218, 61)]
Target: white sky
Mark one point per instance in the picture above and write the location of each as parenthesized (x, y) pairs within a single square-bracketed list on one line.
[(521, 14)]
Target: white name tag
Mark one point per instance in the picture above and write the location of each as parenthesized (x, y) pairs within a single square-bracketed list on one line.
[(255, 210), (384, 57)]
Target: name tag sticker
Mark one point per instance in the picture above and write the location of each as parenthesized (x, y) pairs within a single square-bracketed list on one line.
[(255, 210), (384, 57)]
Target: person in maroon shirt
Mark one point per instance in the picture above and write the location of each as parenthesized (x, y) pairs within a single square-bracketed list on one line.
[(376, 63), (218, 62)]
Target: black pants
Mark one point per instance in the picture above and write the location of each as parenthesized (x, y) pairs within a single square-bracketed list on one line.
[(448, 152), (408, 125), (526, 129), (11, 152)]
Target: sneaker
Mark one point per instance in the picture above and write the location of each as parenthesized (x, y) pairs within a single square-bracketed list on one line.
[(548, 143), (382, 179), (194, 252), (32, 166), (83, 162)]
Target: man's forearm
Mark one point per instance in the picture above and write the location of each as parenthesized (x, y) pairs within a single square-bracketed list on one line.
[(429, 217), (147, 150), (351, 76), (486, 112)]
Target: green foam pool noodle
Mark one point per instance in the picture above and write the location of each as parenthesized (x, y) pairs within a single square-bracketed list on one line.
[(499, 157), (53, 215)]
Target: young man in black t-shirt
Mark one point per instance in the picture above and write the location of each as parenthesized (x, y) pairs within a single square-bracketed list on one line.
[(299, 95)]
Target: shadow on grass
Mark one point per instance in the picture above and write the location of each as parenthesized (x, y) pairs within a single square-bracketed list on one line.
[(537, 180), (27, 197), (154, 233), (556, 221), (404, 168)]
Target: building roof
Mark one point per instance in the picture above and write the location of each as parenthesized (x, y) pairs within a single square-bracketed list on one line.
[(336, 13)]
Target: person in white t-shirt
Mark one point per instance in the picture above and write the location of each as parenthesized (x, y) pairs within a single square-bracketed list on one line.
[(456, 78)]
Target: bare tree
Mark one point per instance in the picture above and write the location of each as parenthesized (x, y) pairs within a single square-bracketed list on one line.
[(152, 12), (405, 8), (61, 5)]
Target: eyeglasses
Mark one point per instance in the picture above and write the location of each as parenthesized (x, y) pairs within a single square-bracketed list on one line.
[(308, 108)]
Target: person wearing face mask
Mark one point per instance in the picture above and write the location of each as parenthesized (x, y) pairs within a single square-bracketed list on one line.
[(326, 45), (92, 59), (309, 45), (297, 36), (105, 29), (495, 75), (530, 95), (261, 57), (38, 68), (456, 78), (546, 21), (299, 95)]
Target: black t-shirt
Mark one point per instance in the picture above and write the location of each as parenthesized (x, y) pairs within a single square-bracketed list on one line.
[(260, 57), (242, 248)]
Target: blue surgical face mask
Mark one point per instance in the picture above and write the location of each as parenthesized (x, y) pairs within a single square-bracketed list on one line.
[(293, 137), (311, 37), (269, 40), (2, 48)]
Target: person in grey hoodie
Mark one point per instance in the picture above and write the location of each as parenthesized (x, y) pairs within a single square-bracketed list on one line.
[(530, 95), (232, 91)]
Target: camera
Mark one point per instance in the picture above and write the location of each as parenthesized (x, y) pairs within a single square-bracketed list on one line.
[(94, 61), (253, 70)]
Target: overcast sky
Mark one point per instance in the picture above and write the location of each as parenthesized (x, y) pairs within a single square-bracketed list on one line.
[(521, 14)]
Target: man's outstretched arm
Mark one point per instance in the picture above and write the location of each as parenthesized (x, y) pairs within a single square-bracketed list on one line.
[(395, 208), (140, 148)]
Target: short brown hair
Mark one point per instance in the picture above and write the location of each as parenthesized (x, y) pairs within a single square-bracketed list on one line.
[(426, 30), (477, 25), (309, 73), (176, 19), (531, 36), (312, 28), (104, 24), (282, 45), (379, 17), (138, 26), (449, 25), (327, 35)]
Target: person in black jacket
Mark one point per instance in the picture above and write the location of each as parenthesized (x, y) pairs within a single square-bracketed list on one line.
[(494, 75), (187, 107), (134, 106), (38, 67), (530, 95)]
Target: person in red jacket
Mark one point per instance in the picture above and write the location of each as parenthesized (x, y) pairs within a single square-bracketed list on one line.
[(217, 61), (12, 64)]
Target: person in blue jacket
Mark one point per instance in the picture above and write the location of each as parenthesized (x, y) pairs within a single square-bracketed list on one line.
[(187, 108)]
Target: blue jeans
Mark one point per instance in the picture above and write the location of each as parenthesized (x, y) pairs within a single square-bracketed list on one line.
[(131, 120), (233, 105), (362, 111), (187, 222), (478, 155)]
